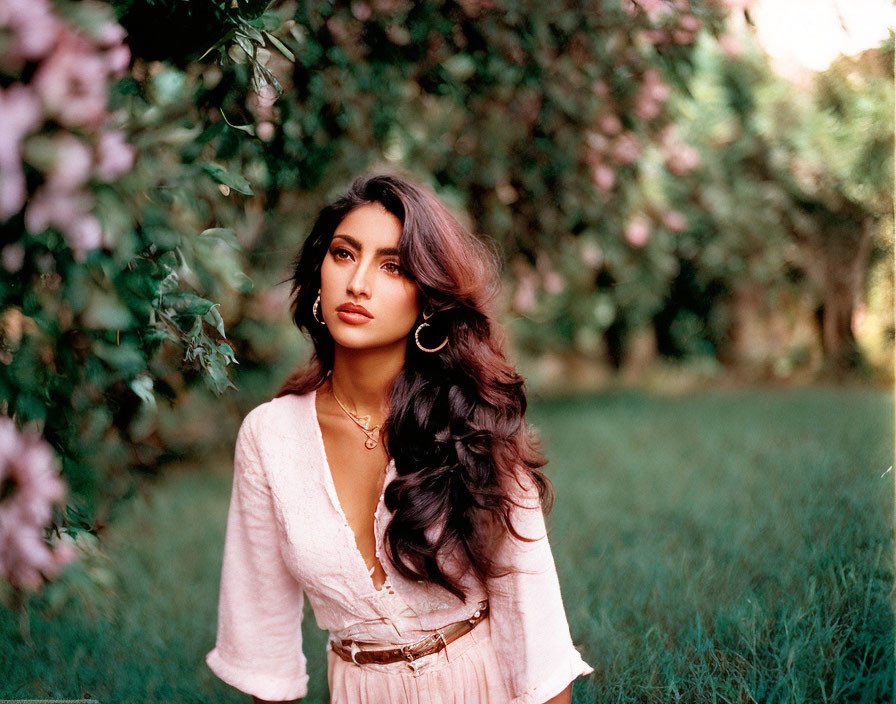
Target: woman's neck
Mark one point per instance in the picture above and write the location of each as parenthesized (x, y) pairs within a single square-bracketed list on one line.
[(363, 380)]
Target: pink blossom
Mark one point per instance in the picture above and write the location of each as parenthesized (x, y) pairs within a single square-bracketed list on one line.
[(110, 35), (12, 257), (654, 8), (264, 101), (689, 23), (610, 124), (637, 231), (596, 141), (72, 163), (19, 114), (683, 37), (72, 82), (626, 148), (654, 91), (675, 220), (682, 158), (731, 45), (524, 298), (654, 86), (657, 36), (67, 212), (604, 177), (118, 58), (645, 108), (600, 89), (83, 235), (361, 10), (114, 155), (29, 466), (265, 131), (553, 282), (591, 254), (34, 29)]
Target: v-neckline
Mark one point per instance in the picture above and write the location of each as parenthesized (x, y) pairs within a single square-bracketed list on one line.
[(330, 485)]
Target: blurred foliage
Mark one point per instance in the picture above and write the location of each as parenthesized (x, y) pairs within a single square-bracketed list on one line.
[(636, 177), (792, 204)]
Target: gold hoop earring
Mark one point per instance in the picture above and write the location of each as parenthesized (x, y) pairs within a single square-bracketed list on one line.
[(315, 307), (417, 335)]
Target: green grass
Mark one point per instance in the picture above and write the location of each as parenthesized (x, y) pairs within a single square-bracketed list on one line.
[(722, 547)]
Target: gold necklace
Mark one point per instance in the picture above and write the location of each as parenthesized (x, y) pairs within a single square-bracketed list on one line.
[(362, 422)]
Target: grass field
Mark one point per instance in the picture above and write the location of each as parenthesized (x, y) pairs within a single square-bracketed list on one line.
[(727, 546)]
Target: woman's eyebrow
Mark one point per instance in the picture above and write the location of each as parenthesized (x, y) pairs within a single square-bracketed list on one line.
[(357, 245)]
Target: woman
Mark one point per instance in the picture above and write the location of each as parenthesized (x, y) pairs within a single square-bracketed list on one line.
[(394, 481)]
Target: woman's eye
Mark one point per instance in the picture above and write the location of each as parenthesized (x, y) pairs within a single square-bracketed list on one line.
[(396, 268), (338, 251)]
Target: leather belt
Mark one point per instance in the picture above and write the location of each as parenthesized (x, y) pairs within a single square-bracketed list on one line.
[(356, 652)]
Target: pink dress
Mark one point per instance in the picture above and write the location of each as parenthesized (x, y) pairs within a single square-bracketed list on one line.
[(287, 539)]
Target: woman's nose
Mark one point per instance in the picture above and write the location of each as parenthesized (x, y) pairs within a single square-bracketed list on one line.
[(359, 283)]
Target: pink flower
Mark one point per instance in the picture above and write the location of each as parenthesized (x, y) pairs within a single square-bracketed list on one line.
[(626, 148), (657, 36), (12, 257), (654, 86), (654, 91), (28, 466), (591, 254), (524, 298), (72, 163), (675, 220), (604, 177), (110, 35), (682, 158), (553, 282), (67, 212), (117, 59), (610, 124), (689, 22), (20, 114), (34, 29), (265, 131), (637, 231), (114, 156), (600, 89), (72, 82)]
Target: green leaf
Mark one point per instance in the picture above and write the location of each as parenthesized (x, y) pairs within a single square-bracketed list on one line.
[(225, 349), (213, 317), (281, 47), (245, 44), (251, 33), (222, 234), (235, 181), (250, 129), (227, 37), (185, 303)]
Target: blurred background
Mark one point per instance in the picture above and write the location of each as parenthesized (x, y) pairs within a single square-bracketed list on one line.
[(694, 204)]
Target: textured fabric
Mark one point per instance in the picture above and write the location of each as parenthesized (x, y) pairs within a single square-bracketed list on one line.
[(287, 538)]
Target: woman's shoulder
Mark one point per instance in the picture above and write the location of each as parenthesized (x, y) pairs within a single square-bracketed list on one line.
[(282, 415)]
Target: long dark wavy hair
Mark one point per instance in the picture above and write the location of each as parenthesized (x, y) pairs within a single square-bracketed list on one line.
[(456, 427)]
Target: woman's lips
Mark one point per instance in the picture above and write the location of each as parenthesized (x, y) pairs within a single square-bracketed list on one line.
[(353, 318)]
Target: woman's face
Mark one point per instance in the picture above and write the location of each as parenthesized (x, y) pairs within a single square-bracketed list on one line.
[(362, 268)]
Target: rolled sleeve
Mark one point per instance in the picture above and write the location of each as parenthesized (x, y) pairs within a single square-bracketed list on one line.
[(258, 649), (529, 627)]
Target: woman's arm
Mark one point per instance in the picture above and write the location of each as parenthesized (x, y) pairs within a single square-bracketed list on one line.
[(565, 697)]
